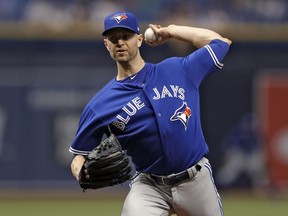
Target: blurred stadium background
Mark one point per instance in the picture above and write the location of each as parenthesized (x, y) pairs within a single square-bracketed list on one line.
[(52, 61)]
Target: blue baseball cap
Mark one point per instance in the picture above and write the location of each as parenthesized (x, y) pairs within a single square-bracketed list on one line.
[(121, 20)]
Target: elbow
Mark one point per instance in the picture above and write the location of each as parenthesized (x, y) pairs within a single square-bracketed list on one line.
[(227, 40)]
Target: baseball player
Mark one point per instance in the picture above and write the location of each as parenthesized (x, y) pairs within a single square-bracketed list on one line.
[(154, 111)]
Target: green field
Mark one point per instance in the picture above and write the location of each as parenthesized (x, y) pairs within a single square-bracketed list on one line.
[(255, 206), (233, 206)]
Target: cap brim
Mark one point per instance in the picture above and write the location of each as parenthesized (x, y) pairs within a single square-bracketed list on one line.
[(119, 26)]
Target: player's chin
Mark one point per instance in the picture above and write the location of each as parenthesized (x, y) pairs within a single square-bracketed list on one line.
[(121, 58)]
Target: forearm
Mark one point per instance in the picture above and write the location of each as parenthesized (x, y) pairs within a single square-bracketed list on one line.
[(199, 37), (76, 165)]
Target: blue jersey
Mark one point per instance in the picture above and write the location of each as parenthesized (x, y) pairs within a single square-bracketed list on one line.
[(155, 113)]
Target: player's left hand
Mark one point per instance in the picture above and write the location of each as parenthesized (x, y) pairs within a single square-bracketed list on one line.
[(106, 165)]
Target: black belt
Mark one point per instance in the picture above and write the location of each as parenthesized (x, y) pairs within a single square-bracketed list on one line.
[(174, 179)]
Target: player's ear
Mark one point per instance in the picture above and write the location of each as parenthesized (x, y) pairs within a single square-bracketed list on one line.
[(106, 44), (139, 40)]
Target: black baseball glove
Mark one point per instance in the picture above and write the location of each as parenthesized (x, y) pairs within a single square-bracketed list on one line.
[(106, 165)]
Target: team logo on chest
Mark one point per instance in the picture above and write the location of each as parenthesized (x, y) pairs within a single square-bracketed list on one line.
[(182, 114)]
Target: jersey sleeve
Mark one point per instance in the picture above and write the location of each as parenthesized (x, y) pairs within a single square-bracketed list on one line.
[(89, 133), (205, 61)]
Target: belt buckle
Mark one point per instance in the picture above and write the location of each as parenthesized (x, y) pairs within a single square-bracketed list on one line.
[(168, 181), (162, 181), (171, 180)]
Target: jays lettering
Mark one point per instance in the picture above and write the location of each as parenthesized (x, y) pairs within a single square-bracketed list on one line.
[(130, 109), (169, 91)]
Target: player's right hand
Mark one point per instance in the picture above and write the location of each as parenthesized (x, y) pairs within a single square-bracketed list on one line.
[(162, 35)]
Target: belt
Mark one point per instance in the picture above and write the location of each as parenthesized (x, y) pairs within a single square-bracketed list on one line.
[(178, 177)]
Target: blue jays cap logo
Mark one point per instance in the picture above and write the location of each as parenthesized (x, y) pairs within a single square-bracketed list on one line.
[(182, 114), (119, 17), (121, 20)]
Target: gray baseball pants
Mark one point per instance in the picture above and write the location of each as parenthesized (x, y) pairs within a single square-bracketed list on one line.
[(196, 196)]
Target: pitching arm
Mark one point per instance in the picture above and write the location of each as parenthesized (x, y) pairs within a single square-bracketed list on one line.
[(199, 37)]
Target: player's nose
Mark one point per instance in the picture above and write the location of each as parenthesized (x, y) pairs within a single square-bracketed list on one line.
[(120, 41)]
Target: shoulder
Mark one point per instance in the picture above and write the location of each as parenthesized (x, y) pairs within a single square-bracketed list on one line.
[(98, 99), (94, 106), (168, 62), (102, 93)]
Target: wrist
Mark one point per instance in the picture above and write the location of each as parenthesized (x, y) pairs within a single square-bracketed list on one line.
[(76, 165), (172, 30)]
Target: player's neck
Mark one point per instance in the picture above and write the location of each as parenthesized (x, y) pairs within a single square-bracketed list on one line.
[(126, 69)]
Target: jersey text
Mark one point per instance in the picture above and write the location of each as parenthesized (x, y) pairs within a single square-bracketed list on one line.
[(130, 109), (172, 91)]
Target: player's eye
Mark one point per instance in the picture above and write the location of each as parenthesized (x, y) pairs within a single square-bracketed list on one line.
[(126, 36), (115, 38), (112, 38)]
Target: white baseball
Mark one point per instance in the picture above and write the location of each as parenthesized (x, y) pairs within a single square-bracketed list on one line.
[(150, 35)]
